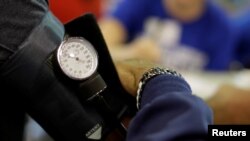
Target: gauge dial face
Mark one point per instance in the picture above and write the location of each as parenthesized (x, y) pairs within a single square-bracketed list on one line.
[(77, 58)]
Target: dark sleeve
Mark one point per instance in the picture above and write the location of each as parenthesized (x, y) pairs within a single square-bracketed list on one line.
[(170, 112), (18, 19)]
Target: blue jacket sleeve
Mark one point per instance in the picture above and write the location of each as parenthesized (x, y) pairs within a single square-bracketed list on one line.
[(170, 112)]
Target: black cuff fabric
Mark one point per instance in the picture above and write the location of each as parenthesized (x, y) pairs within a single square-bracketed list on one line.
[(18, 19)]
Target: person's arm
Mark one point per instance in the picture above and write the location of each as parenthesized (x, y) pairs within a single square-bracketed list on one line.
[(17, 22), (226, 103), (121, 28), (115, 35), (168, 110), (113, 30)]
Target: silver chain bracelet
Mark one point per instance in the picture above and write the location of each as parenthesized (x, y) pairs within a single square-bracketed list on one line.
[(151, 73)]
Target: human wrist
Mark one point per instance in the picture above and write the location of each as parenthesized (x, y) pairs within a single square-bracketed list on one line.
[(151, 74)]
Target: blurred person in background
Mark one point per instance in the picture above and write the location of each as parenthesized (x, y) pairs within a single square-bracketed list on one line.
[(229, 98), (238, 12), (185, 35)]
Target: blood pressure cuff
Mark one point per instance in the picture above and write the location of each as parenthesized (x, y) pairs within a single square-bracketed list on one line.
[(120, 101), (27, 78)]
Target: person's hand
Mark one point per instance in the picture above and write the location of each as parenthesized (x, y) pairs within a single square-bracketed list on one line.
[(231, 105), (131, 71), (146, 49)]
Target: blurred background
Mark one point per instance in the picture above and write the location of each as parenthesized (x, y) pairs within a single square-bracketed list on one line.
[(234, 7), (100, 7), (207, 83)]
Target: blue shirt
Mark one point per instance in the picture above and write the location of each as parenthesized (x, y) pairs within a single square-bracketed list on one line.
[(211, 35), (242, 24)]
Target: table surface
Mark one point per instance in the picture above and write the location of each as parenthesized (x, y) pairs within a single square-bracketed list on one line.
[(205, 84)]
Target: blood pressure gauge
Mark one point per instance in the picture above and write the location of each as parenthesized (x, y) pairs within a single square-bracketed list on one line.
[(77, 58)]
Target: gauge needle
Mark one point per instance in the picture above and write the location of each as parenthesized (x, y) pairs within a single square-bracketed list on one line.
[(72, 55)]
